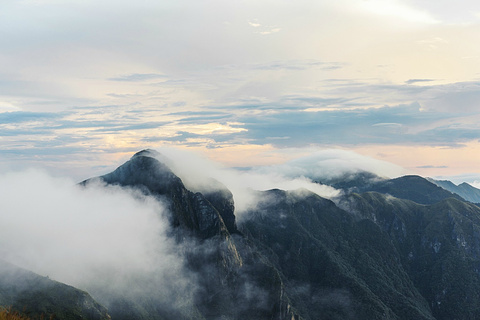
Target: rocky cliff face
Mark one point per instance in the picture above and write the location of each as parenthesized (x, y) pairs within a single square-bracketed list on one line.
[(207, 215), (235, 281), (336, 267), (437, 246)]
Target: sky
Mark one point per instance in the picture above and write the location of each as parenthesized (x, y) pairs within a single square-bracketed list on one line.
[(85, 84)]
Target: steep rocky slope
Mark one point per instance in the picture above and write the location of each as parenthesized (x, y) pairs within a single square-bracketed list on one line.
[(335, 266), (235, 281), (206, 214), (438, 246)]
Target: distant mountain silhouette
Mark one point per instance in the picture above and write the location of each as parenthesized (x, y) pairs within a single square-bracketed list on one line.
[(410, 187), (464, 190)]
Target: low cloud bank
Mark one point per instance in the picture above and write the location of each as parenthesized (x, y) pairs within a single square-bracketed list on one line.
[(103, 239), (196, 171), (334, 163), (91, 237)]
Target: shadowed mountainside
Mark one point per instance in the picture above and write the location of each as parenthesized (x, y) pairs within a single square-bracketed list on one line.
[(40, 296), (411, 187), (387, 249), (234, 281), (438, 246)]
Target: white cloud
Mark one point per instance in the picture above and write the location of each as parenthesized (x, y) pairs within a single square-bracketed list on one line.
[(264, 29), (196, 171), (8, 107), (449, 12), (332, 163), (254, 24), (97, 238), (58, 54), (270, 31), (398, 9)]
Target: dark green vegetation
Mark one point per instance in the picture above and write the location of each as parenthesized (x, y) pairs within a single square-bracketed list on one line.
[(335, 266), (387, 249), (437, 246), (9, 314), (41, 297)]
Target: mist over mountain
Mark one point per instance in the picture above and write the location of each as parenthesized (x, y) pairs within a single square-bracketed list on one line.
[(152, 241), (410, 187)]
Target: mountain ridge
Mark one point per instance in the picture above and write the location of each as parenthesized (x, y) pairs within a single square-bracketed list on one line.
[(465, 190), (399, 248)]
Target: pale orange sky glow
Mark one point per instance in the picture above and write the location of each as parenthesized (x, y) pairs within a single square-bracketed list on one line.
[(429, 161), (249, 83)]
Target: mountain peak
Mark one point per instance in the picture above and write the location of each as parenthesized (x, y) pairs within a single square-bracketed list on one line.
[(146, 153), (206, 214)]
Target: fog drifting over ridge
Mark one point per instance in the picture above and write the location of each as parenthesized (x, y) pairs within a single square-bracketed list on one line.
[(196, 171), (114, 242), (103, 239), (56, 228), (75, 235), (333, 163)]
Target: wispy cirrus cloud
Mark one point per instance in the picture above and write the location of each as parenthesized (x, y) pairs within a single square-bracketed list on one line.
[(432, 167), (263, 29), (415, 81), (139, 77), (292, 122), (298, 65), (301, 73)]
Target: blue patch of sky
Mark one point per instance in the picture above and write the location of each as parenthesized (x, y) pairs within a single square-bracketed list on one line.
[(319, 101), (414, 81), (138, 126), (432, 167), (44, 151), (195, 113), (204, 119), (284, 126), (386, 125), (64, 124), (22, 132), (26, 116), (445, 135)]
